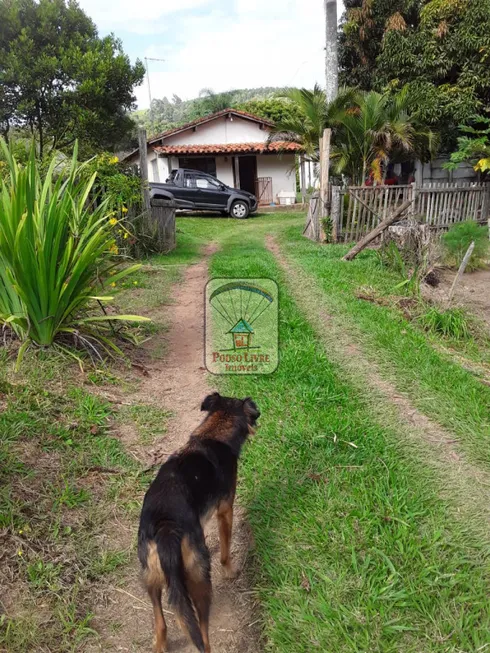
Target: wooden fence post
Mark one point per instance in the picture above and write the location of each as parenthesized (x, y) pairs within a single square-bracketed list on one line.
[(161, 225), (461, 270), (414, 194), (324, 168), (335, 213), (145, 189)]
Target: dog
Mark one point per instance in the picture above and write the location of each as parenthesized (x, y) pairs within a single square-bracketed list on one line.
[(195, 483)]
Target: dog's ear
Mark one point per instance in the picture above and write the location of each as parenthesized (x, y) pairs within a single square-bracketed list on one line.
[(211, 402), (251, 410)]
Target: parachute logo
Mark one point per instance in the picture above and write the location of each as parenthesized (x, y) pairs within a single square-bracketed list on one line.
[(241, 305), (241, 334)]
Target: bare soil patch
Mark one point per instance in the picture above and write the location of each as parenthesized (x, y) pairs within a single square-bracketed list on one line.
[(473, 292), (124, 616)]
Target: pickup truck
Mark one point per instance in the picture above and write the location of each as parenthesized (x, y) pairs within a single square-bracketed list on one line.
[(194, 190)]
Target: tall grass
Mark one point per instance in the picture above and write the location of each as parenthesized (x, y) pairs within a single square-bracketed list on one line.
[(457, 240), (56, 255)]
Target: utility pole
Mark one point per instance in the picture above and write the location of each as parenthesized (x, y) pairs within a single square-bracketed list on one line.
[(331, 90), (147, 59), (331, 54)]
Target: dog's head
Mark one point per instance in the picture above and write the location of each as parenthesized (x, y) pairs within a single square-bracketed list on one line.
[(239, 407)]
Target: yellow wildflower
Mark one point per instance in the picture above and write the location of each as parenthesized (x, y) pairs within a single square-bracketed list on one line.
[(124, 209), (112, 221), (113, 284), (20, 531), (114, 159), (19, 552), (135, 283), (114, 249), (126, 235)]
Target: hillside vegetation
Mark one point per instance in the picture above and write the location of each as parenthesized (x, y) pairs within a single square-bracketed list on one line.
[(168, 113)]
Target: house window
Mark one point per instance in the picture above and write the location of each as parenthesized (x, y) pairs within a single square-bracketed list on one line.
[(205, 164), (154, 170)]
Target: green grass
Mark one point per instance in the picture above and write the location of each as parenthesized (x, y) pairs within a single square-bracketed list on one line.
[(437, 385), (150, 421), (358, 544), (63, 478), (354, 548)]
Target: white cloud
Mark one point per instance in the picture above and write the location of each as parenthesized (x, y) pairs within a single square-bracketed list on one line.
[(219, 44), (278, 43), (141, 17)]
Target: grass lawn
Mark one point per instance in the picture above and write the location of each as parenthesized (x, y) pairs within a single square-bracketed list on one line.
[(440, 387), (70, 488), (357, 549)]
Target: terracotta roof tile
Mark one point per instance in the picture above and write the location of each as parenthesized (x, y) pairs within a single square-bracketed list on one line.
[(230, 148)]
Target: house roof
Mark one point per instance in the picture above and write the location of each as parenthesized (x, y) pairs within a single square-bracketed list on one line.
[(230, 148), (208, 118), (242, 326), (201, 121)]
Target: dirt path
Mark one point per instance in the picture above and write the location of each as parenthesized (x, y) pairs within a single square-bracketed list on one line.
[(179, 385), (466, 483)]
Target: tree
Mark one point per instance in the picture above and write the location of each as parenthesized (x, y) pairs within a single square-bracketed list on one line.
[(312, 115), (377, 130), (369, 130), (211, 102), (361, 38), (274, 109), (473, 147), (59, 79), (439, 48)]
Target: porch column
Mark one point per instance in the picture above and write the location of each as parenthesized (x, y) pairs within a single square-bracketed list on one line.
[(237, 172)]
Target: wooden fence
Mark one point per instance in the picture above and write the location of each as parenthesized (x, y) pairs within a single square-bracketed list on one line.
[(151, 231), (161, 223), (358, 209)]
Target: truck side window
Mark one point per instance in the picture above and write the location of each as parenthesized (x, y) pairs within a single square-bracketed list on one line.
[(206, 182), (189, 181)]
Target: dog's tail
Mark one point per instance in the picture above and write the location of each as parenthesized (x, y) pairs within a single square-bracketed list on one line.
[(169, 548)]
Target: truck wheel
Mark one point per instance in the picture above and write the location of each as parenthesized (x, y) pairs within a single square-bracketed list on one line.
[(240, 210)]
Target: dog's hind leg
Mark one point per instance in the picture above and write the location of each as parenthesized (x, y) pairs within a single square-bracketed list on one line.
[(160, 644), (200, 593), (154, 580), (197, 567), (225, 523)]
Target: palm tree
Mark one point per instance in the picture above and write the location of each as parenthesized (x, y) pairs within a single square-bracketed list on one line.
[(211, 102), (368, 130), (314, 115), (379, 129)]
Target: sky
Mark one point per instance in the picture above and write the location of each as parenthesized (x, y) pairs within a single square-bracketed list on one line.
[(217, 44)]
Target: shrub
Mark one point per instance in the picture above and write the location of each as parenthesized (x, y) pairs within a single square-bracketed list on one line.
[(451, 323), (457, 240), (56, 256)]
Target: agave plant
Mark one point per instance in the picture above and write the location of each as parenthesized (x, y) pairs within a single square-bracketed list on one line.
[(56, 256)]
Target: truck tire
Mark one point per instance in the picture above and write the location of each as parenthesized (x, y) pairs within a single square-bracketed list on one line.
[(239, 209)]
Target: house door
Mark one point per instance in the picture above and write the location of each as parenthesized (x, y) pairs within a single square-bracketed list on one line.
[(248, 173)]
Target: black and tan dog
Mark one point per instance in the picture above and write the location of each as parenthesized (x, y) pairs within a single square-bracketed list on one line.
[(194, 483)]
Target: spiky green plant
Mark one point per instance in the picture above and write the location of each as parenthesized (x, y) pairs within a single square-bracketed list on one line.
[(56, 256)]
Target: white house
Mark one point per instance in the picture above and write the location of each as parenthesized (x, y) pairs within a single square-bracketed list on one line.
[(230, 145)]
